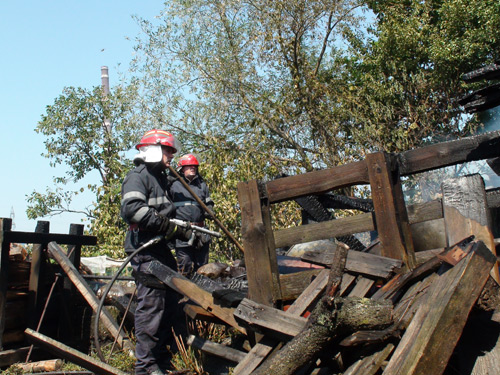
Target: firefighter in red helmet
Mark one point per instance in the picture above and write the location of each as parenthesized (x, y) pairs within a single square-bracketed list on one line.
[(191, 256), (147, 208)]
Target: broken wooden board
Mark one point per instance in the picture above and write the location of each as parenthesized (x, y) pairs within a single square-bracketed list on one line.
[(266, 319), (215, 349), (186, 287), (359, 262), (443, 313), (70, 354), (293, 284)]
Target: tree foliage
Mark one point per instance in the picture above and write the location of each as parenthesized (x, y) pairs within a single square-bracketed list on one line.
[(77, 137), (261, 88), (406, 79)]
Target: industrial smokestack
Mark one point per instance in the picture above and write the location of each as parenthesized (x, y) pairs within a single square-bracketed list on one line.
[(105, 89), (105, 79)]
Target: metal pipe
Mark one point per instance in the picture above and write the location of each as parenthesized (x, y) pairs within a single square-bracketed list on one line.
[(204, 206)]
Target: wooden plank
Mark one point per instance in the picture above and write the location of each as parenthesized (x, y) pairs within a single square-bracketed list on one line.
[(266, 319), (317, 182), (439, 155), (484, 146), (5, 226), (293, 284), (186, 287), (255, 357), (370, 365), (362, 287), (71, 354), (62, 239), (258, 242), (73, 314), (359, 262), (324, 230), (11, 356), (215, 349), (466, 213), (349, 225), (196, 312), (390, 211), (87, 293), (36, 288), (444, 312)]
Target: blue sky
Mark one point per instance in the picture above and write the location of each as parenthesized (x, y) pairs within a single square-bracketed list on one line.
[(46, 46)]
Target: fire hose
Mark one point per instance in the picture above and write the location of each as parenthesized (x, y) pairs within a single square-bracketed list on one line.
[(151, 242)]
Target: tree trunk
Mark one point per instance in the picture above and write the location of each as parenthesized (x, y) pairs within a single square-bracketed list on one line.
[(331, 319)]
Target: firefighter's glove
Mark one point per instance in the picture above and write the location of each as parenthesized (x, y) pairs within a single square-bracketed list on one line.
[(168, 228), (184, 233), (201, 240)]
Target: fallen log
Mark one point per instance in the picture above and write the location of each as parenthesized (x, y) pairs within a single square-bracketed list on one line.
[(41, 366)]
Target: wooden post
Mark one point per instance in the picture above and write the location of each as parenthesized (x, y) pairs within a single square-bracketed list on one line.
[(258, 242), (466, 213), (390, 211), (5, 226), (36, 295), (73, 327)]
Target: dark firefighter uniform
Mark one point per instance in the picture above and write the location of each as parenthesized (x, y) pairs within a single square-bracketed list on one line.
[(145, 204), (191, 257)]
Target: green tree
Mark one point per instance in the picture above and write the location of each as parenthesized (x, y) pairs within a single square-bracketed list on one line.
[(89, 132), (405, 81), (260, 88), (250, 86)]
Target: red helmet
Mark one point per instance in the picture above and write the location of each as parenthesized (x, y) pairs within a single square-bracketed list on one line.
[(188, 159), (158, 137)]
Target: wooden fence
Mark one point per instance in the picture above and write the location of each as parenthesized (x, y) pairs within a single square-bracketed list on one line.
[(23, 295)]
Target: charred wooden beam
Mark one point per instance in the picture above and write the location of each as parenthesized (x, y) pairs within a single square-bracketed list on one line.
[(491, 71), (317, 182), (439, 155), (62, 239), (186, 287)]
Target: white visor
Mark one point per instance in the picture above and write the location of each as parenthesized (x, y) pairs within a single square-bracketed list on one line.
[(150, 154)]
